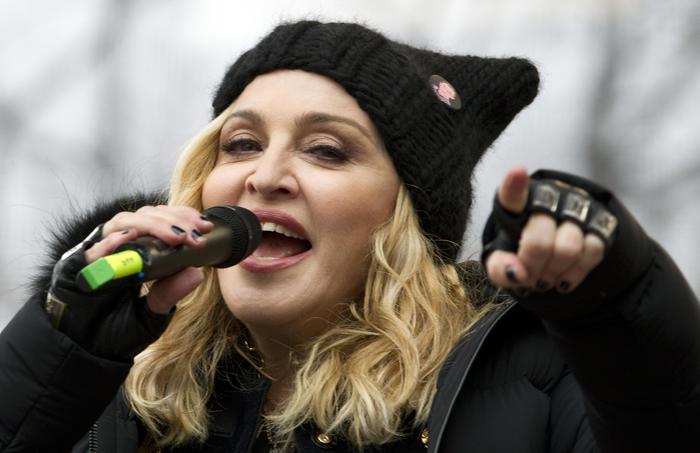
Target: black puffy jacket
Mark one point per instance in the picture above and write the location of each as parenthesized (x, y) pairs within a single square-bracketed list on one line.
[(612, 367)]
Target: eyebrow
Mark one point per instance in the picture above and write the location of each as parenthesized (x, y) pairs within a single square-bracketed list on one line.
[(311, 118), (306, 120), (249, 115)]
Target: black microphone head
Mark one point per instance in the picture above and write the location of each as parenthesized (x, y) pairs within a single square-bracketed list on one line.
[(245, 231)]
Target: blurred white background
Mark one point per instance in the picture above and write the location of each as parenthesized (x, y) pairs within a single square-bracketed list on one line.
[(98, 97)]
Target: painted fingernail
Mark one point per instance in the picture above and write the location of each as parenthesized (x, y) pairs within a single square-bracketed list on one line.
[(522, 291), (542, 286), (510, 274), (564, 286), (196, 235), (177, 229)]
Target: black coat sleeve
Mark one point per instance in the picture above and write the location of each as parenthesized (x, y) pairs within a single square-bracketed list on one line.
[(570, 430), (51, 389), (631, 333)]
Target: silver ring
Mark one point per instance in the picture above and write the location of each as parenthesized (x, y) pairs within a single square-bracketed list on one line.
[(576, 206), (546, 197), (603, 223)]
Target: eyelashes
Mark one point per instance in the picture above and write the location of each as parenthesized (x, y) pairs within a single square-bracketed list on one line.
[(239, 148), (329, 153)]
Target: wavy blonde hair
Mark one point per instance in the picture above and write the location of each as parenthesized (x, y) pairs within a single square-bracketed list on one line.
[(376, 368)]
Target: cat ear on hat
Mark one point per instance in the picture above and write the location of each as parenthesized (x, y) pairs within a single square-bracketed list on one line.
[(478, 97), (492, 91), (499, 88)]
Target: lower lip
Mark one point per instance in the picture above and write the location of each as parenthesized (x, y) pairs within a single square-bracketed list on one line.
[(256, 264)]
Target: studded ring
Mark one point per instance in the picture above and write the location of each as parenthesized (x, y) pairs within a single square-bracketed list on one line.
[(557, 199)]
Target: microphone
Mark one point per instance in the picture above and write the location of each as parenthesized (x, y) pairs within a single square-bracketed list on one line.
[(235, 235)]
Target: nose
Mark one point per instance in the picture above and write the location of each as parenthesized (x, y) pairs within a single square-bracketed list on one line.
[(272, 174)]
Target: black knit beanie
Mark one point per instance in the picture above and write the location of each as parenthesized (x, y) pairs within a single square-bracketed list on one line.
[(436, 113)]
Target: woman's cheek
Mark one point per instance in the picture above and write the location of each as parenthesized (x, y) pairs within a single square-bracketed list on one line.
[(222, 186)]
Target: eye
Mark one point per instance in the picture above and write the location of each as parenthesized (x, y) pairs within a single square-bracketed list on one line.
[(241, 145), (328, 153)]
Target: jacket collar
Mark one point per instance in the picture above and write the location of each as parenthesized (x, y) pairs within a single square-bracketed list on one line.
[(455, 370)]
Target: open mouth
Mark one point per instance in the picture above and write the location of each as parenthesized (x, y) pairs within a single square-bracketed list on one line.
[(280, 242)]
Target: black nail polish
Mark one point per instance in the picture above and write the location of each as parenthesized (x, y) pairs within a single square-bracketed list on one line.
[(177, 229), (196, 235), (510, 274), (564, 286), (543, 286)]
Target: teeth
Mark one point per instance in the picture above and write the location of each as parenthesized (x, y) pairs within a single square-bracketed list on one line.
[(273, 227)]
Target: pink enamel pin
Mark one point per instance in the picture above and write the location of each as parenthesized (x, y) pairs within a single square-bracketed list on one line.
[(445, 92)]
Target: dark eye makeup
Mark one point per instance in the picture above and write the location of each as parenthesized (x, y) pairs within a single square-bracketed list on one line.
[(328, 153), (240, 145), (324, 150)]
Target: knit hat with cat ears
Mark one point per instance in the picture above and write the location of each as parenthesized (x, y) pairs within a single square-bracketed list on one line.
[(436, 113)]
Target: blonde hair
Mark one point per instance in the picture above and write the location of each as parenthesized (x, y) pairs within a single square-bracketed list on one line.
[(376, 368)]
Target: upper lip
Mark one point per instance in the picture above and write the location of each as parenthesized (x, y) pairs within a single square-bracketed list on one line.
[(281, 218)]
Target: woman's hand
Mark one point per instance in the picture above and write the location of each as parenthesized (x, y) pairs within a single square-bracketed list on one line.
[(174, 225), (549, 255), (115, 322)]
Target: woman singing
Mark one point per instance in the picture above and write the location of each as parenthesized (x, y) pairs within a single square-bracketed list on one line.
[(352, 326)]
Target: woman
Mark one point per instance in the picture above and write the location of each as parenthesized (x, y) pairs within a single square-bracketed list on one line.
[(351, 327)]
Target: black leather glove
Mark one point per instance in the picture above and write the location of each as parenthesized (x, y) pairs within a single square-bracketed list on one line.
[(113, 322), (559, 195), (628, 248)]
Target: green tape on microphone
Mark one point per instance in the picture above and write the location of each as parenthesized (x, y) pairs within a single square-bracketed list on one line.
[(109, 268)]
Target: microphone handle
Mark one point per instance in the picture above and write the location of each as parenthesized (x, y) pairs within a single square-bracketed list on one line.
[(235, 235), (161, 260)]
